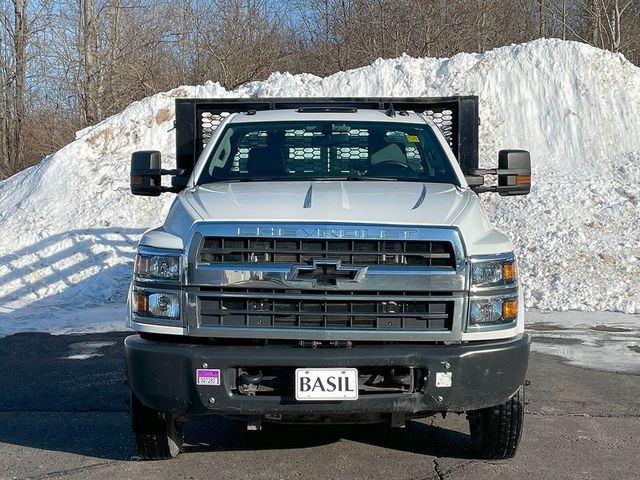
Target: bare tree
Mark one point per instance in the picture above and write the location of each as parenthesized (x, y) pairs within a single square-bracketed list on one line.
[(6, 75), (616, 10), (542, 17), (15, 39), (239, 40), (89, 62)]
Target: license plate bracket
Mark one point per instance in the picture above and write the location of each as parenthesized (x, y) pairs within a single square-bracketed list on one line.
[(326, 384)]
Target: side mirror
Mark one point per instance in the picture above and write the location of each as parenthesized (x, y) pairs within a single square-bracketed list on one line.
[(146, 175), (514, 172)]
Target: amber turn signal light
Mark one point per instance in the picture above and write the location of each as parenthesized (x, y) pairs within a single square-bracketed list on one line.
[(139, 302), (510, 308), (509, 272)]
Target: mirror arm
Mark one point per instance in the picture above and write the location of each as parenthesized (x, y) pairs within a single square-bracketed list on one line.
[(493, 189), (484, 189), (177, 171), (171, 189), (499, 171), (484, 171)]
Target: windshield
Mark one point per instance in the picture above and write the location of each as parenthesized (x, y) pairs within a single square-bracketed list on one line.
[(317, 150)]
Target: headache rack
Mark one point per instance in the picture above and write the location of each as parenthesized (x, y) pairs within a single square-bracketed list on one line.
[(196, 119)]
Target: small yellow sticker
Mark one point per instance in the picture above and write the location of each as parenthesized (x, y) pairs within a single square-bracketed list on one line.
[(413, 138)]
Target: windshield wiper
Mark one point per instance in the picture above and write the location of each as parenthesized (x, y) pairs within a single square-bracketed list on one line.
[(250, 179), (357, 178), (348, 178)]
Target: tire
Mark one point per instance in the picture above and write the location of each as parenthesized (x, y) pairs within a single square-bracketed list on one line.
[(159, 435), (495, 431)]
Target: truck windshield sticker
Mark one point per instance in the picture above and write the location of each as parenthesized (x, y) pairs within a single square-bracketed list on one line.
[(413, 139)]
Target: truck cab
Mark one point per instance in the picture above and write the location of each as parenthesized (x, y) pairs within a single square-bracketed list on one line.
[(327, 260)]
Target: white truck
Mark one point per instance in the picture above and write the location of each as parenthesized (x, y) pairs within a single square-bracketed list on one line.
[(327, 260)]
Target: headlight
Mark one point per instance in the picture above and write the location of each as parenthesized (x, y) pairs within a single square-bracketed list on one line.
[(159, 266), (159, 305), (493, 311), (493, 272)]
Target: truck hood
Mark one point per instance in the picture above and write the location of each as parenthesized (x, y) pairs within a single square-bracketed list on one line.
[(330, 201), (354, 202)]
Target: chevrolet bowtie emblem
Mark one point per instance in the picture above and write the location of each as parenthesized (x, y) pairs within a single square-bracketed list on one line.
[(326, 271)]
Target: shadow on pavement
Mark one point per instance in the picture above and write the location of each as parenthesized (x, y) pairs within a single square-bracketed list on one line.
[(69, 394)]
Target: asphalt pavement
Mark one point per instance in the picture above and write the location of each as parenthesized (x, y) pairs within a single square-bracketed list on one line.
[(63, 414)]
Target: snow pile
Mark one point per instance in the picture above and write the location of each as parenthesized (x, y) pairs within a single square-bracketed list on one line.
[(69, 224)]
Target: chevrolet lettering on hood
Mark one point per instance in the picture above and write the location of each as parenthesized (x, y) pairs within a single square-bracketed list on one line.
[(321, 232)]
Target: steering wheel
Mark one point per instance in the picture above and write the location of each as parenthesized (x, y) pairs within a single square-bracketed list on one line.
[(390, 164)]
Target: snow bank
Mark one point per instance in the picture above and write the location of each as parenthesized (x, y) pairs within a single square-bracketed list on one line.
[(69, 224)]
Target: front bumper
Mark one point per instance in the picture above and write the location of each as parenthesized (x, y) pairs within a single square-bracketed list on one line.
[(162, 375)]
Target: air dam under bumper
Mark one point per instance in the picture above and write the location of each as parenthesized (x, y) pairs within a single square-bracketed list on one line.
[(163, 376)]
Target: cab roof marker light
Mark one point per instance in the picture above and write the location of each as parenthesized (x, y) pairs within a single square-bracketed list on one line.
[(328, 109), (390, 112)]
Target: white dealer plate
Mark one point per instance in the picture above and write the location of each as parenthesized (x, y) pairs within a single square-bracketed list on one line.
[(326, 384)]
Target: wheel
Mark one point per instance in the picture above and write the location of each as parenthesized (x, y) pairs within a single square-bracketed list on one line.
[(495, 431), (159, 435)]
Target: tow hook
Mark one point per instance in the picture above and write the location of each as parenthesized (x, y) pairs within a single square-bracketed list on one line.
[(248, 383), (402, 379)]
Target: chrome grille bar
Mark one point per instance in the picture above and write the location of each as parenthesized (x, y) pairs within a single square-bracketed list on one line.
[(350, 252), (269, 281)]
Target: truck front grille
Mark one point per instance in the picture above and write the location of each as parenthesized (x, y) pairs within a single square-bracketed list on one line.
[(325, 310), (350, 252), (327, 282)]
